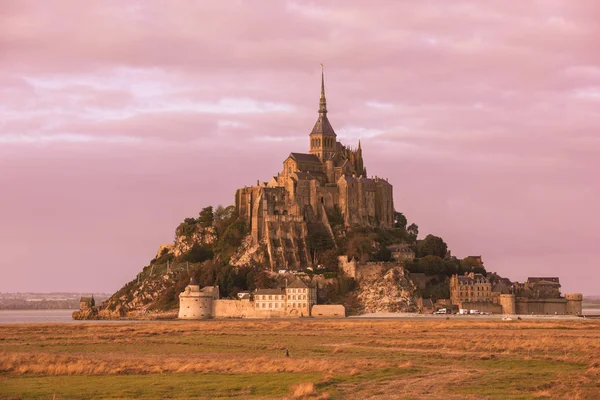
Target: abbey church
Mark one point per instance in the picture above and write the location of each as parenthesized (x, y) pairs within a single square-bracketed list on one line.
[(330, 177)]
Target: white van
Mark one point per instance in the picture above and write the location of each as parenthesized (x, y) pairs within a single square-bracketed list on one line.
[(463, 311), (441, 311)]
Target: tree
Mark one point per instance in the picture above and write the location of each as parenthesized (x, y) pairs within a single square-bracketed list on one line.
[(206, 217), (431, 265), (383, 254), (413, 231), (329, 259), (400, 220), (432, 246), (335, 217), (318, 242), (197, 254)]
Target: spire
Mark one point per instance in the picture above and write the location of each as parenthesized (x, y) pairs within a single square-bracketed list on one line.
[(322, 101), (359, 144)]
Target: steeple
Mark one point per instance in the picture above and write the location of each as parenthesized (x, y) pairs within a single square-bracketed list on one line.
[(322, 101), (322, 137)]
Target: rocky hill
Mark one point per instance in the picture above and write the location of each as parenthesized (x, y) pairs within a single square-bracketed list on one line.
[(217, 250), (386, 290)]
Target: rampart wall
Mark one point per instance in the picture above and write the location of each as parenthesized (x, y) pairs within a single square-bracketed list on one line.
[(328, 310), (483, 306), (234, 309)]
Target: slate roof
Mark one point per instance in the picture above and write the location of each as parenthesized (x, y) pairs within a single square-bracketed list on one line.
[(303, 157), (427, 303), (322, 126), (552, 279), (297, 284), (268, 291)]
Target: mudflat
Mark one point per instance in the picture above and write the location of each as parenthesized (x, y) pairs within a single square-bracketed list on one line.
[(328, 359)]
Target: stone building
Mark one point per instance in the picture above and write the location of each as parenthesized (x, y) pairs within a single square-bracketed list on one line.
[(329, 178), (295, 300), (86, 303), (401, 252), (196, 303), (538, 295), (474, 292)]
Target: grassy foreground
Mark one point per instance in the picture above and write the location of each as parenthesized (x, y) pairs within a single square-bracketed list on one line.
[(353, 359)]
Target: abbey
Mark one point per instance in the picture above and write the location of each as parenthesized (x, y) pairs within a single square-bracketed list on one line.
[(330, 178)]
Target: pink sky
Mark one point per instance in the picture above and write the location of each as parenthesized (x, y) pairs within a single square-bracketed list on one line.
[(119, 119)]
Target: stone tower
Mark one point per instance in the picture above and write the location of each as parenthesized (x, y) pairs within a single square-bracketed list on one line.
[(323, 137)]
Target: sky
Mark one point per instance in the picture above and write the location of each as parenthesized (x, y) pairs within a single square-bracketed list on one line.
[(119, 119)]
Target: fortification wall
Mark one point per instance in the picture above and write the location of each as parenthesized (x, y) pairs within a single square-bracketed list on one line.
[(328, 310), (234, 309), (483, 306), (507, 301), (541, 306)]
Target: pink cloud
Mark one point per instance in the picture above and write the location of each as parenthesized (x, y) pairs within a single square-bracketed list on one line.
[(115, 119)]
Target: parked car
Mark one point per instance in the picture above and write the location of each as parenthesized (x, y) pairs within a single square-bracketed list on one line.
[(441, 311), (463, 311), (474, 312)]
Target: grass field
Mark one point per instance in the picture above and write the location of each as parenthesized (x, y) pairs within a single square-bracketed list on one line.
[(345, 359)]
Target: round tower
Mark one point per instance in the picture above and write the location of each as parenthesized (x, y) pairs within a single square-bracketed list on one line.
[(574, 303), (194, 303), (507, 301)]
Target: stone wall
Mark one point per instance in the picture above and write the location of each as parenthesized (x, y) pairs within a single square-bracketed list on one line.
[(329, 310), (541, 306), (507, 301), (234, 309), (483, 306)]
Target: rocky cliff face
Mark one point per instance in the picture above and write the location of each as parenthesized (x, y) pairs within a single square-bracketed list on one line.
[(389, 290), (249, 253), (154, 291)]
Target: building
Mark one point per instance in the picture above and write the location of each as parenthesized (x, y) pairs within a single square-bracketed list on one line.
[(470, 288), (87, 303), (295, 300), (474, 292), (330, 178), (401, 252), (539, 288), (538, 295), (196, 303)]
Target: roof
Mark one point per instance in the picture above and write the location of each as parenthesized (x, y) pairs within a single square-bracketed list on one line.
[(297, 284), (303, 157), (86, 299), (322, 126), (552, 279), (268, 291)]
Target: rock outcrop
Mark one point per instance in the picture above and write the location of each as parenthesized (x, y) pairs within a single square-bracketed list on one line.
[(389, 290), (249, 253)]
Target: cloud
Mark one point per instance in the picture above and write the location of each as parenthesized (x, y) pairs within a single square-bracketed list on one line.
[(132, 116)]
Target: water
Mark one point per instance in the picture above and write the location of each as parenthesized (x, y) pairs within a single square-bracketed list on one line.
[(45, 317), (591, 311), (34, 316)]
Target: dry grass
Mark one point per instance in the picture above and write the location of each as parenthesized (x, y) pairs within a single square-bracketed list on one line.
[(352, 358)]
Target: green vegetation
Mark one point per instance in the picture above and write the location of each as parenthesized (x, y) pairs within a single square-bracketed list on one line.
[(332, 359)]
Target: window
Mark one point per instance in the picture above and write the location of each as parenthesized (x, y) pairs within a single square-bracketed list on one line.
[(270, 297), (270, 305)]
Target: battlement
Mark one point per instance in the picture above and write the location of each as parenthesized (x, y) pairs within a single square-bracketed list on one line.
[(574, 296)]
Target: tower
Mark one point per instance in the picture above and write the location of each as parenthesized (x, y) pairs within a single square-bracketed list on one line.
[(323, 137)]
